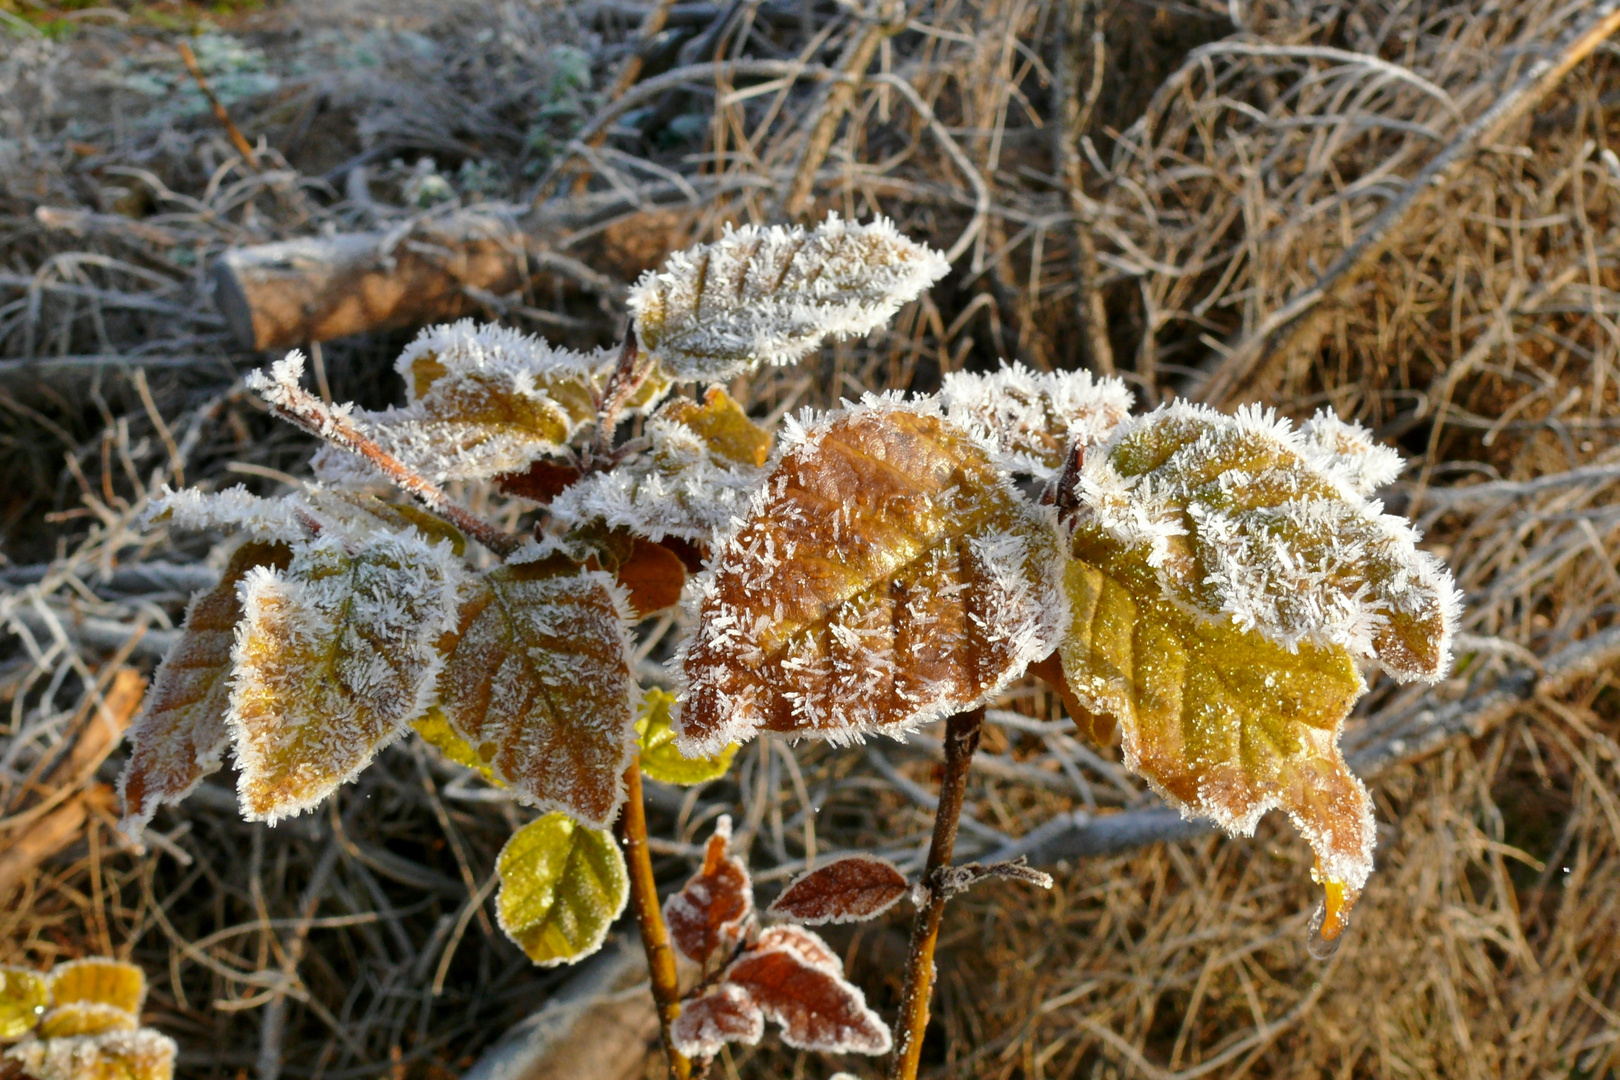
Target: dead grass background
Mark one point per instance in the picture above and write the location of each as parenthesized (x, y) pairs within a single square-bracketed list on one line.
[(1177, 173)]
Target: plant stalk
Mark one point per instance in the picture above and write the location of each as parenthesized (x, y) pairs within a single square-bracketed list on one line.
[(961, 740), (666, 990)]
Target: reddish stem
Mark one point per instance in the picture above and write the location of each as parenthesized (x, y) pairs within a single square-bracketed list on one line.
[(961, 740)]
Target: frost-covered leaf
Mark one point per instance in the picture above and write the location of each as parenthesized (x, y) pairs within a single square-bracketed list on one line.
[(723, 426), (298, 516), (334, 657), (771, 295), (1223, 722), (538, 683), (723, 1014), (701, 468), (482, 400), (99, 980), (1228, 573), (797, 982), (180, 736), (1242, 516), (436, 731), (851, 889), (1033, 418), (712, 912), (562, 885), (660, 760), (119, 1055), (24, 996), (85, 1018), (887, 574), (540, 483)]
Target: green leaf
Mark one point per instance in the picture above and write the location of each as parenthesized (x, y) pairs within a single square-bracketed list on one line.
[(659, 758), (562, 885), (23, 997)]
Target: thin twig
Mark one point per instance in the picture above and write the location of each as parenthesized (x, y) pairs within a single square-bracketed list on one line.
[(839, 97), (632, 829), (298, 406), (961, 740), (238, 140)]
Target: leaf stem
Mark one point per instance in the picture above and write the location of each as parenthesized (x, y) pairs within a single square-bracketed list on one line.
[(302, 409), (632, 829), (961, 740)]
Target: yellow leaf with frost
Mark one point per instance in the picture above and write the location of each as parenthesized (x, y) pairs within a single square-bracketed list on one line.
[(562, 885), (660, 759), (335, 657)]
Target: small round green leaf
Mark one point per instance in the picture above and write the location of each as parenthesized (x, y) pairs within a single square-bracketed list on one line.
[(562, 885), (659, 758)]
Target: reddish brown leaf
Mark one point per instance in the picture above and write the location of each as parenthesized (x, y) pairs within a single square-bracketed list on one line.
[(725, 1014), (181, 735), (797, 982), (541, 482), (538, 683), (849, 890), (711, 913), (653, 576)]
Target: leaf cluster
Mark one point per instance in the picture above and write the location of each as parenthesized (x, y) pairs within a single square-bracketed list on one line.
[(1208, 585)]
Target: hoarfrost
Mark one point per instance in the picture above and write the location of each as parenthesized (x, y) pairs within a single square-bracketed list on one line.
[(1032, 418), (1244, 517), (333, 660), (771, 295)]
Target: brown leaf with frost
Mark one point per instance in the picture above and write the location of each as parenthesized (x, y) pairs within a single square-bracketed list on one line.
[(711, 913), (851, 889), (889, 574), (724, 1014), (538, 683), (799, 983), (180, 736)]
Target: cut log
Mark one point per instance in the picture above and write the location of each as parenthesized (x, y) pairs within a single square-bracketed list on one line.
[(291, 293), (318, 288)]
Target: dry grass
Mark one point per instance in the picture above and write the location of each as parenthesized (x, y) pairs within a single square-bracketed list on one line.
[(1221, 173)]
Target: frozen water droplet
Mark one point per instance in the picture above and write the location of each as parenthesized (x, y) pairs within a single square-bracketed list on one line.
[(1320, 948)]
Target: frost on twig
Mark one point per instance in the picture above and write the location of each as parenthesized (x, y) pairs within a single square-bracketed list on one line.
[(1228, 574), (698, 473), (481, 400), (771, 295), (1033, 418), (886, 574)]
